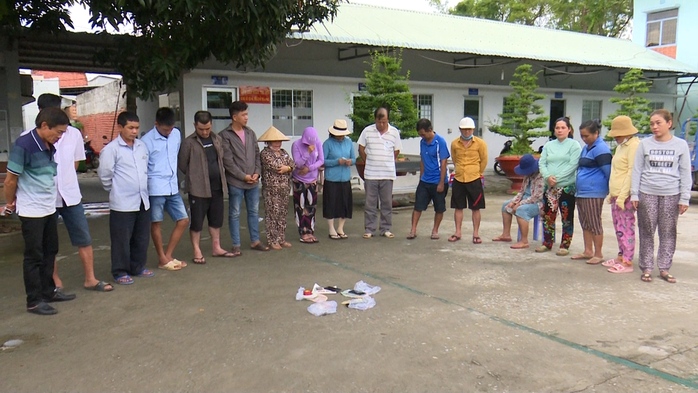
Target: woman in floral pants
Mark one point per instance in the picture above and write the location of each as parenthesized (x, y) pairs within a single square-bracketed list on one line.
[(558, 165), (277, 166)]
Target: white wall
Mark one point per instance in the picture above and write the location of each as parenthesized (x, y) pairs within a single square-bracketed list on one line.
[(41, 86), (331, 101)]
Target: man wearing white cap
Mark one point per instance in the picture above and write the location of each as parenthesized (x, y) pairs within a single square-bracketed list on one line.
[(469, 155), (379, 146)]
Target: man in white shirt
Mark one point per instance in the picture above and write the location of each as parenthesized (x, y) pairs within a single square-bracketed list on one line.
[(70, 150), (123, 171), (379, 146)]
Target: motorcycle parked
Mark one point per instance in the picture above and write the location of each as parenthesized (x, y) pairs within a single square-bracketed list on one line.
[(91, 156), (497, 167)]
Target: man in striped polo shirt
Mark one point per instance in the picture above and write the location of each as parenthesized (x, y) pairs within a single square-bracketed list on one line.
[(31, 189), (379, 146)]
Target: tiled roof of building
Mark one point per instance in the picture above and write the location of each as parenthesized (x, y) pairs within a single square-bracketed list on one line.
[(65, 79)]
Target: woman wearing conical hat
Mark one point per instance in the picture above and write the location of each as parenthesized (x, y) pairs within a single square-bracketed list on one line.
[(277, 166)]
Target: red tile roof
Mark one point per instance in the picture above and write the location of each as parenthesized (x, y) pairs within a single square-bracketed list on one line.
[(65, 79)]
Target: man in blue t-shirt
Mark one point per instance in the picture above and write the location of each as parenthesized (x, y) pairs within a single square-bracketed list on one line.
[(433, 183)]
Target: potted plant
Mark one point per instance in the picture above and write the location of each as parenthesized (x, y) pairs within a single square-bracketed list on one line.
[(385, 86), (520, 120)]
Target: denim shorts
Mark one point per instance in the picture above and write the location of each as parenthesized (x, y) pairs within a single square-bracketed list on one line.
[(528, 211), (76, 224), (173, 204)]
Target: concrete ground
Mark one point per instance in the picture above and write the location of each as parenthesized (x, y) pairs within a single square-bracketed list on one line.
[(451, 317)]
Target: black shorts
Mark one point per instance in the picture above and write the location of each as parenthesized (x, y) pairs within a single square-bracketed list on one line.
[(468, 195), (211, 208), (426, 192)]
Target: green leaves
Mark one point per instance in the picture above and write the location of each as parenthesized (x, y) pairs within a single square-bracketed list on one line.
[(165, 38), (521, 118), (385, 85), (602, 17), (631, 101)]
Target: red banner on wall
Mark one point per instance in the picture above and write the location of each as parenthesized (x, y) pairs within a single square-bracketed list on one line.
[(255, 94)]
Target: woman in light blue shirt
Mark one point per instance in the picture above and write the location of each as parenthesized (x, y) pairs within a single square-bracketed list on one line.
[(336, 197)]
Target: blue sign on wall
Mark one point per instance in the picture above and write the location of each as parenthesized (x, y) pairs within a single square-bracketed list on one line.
[(473, 92), (219, 80), (558, 94)]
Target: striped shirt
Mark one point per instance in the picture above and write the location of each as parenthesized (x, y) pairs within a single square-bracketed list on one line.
[(380, 152)]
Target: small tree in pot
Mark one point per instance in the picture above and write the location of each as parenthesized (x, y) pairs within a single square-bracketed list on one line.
[(521, 120), (387, 86)]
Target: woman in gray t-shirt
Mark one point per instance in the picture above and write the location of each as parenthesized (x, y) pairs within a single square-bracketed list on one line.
[(660, 191)]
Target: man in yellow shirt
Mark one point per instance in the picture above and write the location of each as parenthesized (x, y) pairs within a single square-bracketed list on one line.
[(469, 154)]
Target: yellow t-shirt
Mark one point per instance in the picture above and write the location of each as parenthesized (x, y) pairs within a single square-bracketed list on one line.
[(622, 168), (469, 162)]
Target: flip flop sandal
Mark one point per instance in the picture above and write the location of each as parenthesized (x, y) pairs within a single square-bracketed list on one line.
[(580, 257), (477, 240), (542, 249), (343, 235), (147, 273), (228, 254), (594, 261), (563, 252), (667, 277), (260, 247), (501, 239), (286, 245), (389, 234), (101, 287), (124, 280), (171, 266), (411, 236), (367, 235), (454, 238), (199, 261), (610, 263), (646, 277), (434, 236), (620, 268), (335, 237)]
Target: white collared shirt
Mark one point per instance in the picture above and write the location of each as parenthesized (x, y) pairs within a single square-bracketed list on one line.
[(69, 148), (123, 171)]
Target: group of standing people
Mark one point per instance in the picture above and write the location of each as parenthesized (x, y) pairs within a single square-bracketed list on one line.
[(651, 176)]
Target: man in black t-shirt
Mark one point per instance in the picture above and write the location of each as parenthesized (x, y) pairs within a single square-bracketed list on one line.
[(201, 161)]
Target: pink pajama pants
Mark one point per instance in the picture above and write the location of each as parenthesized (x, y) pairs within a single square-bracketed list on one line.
[(624, 226)]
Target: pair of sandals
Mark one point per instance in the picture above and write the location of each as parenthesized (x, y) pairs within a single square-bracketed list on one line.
[(279, 246), (663, 274), (309, 239), (338, 236)]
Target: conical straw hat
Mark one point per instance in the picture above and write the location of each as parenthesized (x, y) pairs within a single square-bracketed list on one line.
[(273, 135)]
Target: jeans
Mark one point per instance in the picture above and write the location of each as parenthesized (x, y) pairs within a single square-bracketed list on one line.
[(251, 197), (40, 249)]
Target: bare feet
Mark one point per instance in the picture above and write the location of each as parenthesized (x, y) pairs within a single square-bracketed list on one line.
[(519, 245)]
